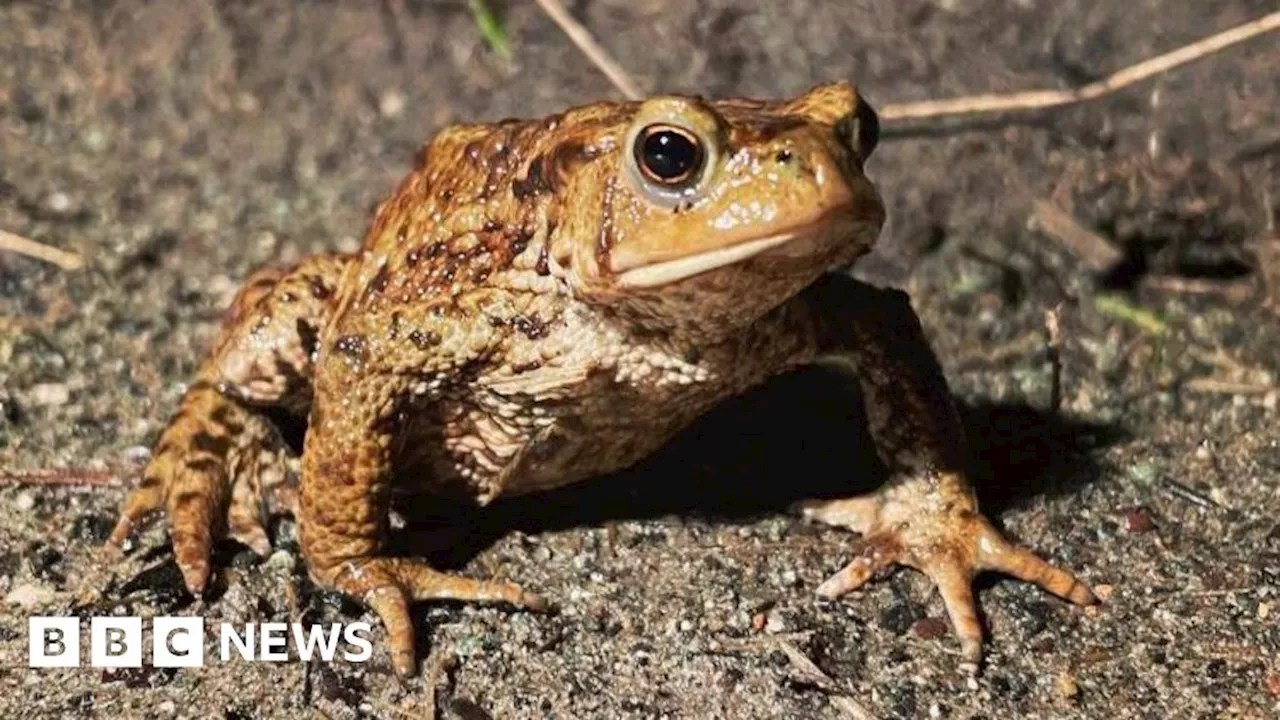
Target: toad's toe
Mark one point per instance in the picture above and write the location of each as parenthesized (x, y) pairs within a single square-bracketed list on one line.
[(949, 545)]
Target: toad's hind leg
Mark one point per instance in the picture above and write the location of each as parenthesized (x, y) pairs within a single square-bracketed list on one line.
[(342, 518), (219, 452)]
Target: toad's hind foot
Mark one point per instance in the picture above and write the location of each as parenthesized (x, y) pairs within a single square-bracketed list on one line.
[(950, 545), (388, 585), (208, 473)]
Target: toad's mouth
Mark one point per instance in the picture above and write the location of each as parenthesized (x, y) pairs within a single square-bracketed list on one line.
[(669, 271)]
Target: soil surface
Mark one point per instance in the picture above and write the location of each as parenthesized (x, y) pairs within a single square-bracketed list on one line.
[(178, 146)]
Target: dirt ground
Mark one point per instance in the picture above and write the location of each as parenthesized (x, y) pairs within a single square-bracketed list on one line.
[(177, 146)]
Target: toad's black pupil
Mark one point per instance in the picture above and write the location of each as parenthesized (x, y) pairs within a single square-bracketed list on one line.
[(669, 155)]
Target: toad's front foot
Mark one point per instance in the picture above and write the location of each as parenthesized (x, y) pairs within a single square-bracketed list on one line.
[(951, 542), (388, 585)]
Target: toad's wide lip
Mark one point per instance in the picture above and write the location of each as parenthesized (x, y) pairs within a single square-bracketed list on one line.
[(669, 271)]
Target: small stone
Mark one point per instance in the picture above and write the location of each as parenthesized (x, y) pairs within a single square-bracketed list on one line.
[(1138, 520), (50, 394), (167, 708), (1104, 592), (281, 560), (396, 520), (247, 103), (136, 454), (30, 595), (1066, 686), (1273, 684), (758, 621), (58, 202), (775, 624), (930, 628), (24, 501), (266, 242), (391, 104)]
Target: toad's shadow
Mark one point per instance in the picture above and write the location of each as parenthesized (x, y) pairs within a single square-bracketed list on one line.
[(801, 436)]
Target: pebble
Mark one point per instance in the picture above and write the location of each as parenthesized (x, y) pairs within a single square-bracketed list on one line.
[(95, 139), (281, 560), (1138, 520), (24, 501), (391, 104), (50, 394), (1066, 686), (30, 595), (930, 628), (247, 103), (167, 708), (58, 202), (775, 624), (1273, 684)]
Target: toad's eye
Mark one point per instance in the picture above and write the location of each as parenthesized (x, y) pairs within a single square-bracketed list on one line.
[(669, 155)]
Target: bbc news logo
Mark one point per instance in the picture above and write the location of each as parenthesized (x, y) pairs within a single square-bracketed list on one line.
[(117, 642)]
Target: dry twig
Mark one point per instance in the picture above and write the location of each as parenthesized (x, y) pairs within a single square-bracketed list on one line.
[(23, 246), (1042, 99), (589, 47), (1089, 247), (987, 103), (1183, 492), (814, 674), (438, 668)]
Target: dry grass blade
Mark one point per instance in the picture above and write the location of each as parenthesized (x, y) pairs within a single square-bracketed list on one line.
[(1228, 387), (1267, 251), (589, 47), (814, 674), (1041, 99), (1053, 328), (23, 246), (1236, 291), (61, 477)]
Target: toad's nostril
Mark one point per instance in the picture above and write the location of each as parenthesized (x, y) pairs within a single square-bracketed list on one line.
[(860, 129)]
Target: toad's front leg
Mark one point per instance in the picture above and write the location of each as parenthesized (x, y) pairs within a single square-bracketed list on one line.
[(346, 480), (926, 517)]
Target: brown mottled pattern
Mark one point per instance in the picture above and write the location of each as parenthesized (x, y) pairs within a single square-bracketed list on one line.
[(528, 311)]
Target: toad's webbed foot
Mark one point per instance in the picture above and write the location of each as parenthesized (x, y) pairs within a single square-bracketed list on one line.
[(949, 542), (213, 472), (221, 453), (388, 585)]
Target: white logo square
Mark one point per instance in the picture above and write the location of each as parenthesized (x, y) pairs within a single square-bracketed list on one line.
[(53, 641), (178, 642), (115, 642)]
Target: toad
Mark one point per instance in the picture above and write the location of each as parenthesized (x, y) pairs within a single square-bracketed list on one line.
[(545, 301)]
